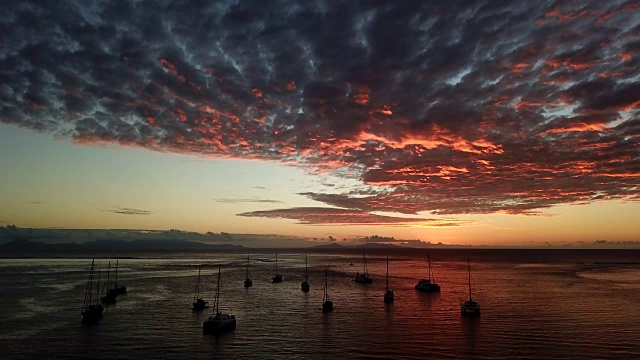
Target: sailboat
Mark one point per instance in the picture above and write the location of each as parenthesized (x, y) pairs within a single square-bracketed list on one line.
[(110, 296), (305, 284), (219, 322), (470, 308), (388, 295), (364, 277), (91, 312), (327, 304), (247, 282), (277, 278), (198, 302), (118, 289), (428, 285)]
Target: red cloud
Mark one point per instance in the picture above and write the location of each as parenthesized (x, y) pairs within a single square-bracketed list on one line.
[(334, 216)]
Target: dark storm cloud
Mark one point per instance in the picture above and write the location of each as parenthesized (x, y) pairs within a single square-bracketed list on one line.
[(450, 107)]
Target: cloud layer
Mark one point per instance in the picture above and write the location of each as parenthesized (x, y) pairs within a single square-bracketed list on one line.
[(333, 216), (444, 107)]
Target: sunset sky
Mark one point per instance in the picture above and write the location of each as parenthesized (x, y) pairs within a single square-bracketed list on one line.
[(466, 122)]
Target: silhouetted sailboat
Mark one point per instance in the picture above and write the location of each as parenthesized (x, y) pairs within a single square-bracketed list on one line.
[(247, 282), (327, 304), (470, 308), (428, 285), (110, 296), (364, 277), (91, 311), (118, 289), (219, 322), (277, 278), (305, 284), (388, 295), (198, 302)]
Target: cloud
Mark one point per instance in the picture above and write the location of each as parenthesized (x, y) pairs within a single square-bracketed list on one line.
[(238, 200), (333, 216), (127, 211), (441, 107), (614, 244)]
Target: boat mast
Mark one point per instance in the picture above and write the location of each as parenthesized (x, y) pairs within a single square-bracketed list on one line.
[(106, 279), (87, 290), (247, 276), (469, 269), (115, 281), (276, 264), (218, 291), (84, 302), (98, 288), (366, 273), (91, 283), (197, 287), (387, 273), (429, 265), (326, 274), (306, 274)]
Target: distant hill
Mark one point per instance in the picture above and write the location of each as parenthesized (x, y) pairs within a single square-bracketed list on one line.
[(328, 246), (335, 246), (28, 246)]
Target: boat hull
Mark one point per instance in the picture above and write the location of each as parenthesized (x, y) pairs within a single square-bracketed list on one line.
[(470, 309), (218, 326), (92, 313), (277, 279), (389, 297), (119, 289), (327, 306), (427, 286), (200, 305), (248, 283), (470, 313), (361, 279), (305, 286)]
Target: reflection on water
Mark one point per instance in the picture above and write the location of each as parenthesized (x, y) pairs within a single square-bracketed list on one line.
[(530, 309)]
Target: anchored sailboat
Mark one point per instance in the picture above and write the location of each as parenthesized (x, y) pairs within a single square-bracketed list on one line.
[(198, 302), (364, 277), (247, 282), (219, 322), (91, 312), (305, 284), (388, 295), (277, 278), (470, 308), (327, 304), (428, 285)]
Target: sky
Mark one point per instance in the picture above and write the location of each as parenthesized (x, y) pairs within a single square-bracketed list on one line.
[(485, 122)]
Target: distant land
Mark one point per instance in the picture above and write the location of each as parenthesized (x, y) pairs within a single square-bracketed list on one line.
[(28, 246), (42, 239)]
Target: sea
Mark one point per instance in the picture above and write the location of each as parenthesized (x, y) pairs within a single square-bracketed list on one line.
[(536, 304)]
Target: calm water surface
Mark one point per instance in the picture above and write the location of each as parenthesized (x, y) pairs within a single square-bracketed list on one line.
[(534, 305)]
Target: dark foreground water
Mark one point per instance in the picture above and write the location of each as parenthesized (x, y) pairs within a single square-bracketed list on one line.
[(534, 305)]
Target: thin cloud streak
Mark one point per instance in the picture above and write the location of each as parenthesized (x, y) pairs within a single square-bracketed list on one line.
[(334, 216), (247, 200), (127, 211)]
